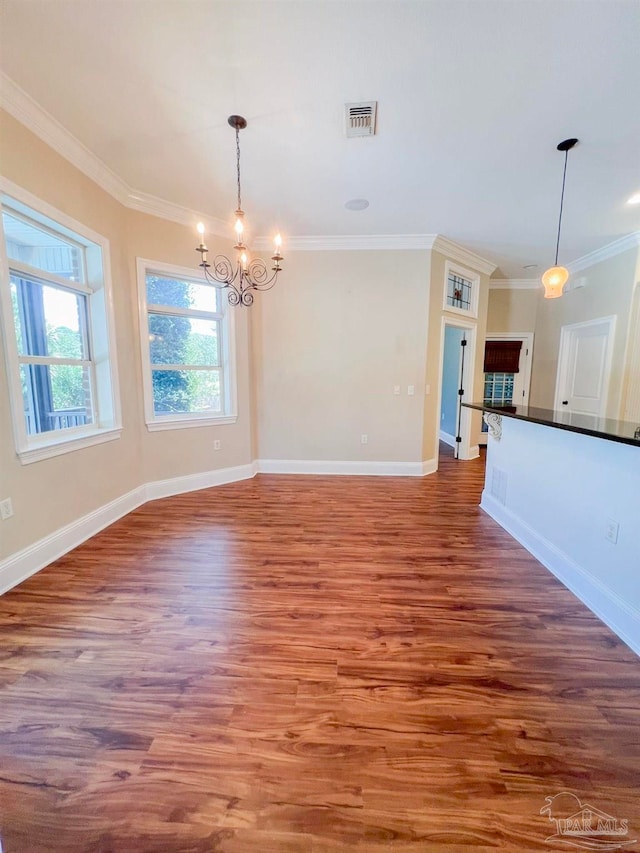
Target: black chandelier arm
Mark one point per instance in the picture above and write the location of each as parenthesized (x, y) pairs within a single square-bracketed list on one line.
[(258, 278), (220, 272)]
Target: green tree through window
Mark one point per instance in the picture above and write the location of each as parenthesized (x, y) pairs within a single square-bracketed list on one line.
[(169, 336)]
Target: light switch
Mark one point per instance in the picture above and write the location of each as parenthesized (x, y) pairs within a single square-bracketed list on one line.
[(411, 390), (396, 390)]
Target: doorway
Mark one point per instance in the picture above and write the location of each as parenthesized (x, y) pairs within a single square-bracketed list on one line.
[(584, 366), (507, 371), (456, 387)]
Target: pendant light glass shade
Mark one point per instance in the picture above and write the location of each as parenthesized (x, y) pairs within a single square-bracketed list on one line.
[(554, 279)]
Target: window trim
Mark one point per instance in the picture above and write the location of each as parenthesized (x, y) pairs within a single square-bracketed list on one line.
[(473, 277), (228, 368), (56, 442)]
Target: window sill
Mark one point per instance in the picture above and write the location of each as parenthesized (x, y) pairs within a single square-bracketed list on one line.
[(182, 423), (67, 445)]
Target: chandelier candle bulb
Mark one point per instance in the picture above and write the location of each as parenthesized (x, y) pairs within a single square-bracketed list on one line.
[(202, 248)]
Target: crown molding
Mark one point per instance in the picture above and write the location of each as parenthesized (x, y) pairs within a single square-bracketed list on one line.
[(351, 242), (154, 206), (624, 244), (27, 111), (384, 242), (459, 253), (515, 284)]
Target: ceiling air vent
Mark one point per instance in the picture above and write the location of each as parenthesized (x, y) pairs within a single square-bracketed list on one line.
[(361, 118)]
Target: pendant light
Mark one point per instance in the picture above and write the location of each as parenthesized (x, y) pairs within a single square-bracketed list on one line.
[(555, 278)]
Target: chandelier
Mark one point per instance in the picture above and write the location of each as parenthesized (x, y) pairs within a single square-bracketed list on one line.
[(246, 275), (555, 278)]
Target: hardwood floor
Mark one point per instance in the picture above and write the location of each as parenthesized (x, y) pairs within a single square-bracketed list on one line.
[(308, 664)]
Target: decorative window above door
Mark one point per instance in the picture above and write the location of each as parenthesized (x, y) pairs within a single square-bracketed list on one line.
[(460, 290)]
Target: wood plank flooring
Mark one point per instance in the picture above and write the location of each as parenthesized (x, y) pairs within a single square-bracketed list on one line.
[(308, 665)]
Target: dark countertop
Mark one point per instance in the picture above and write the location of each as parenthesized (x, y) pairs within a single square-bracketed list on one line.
[(621, 431)]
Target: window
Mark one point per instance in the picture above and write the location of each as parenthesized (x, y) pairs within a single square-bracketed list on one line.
[(187, 348), (498, 391), (460, 290), (57, 331)]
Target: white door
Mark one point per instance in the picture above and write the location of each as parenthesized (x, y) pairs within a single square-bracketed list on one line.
[(584, 365)]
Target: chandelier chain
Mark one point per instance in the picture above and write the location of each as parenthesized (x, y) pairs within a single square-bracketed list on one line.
[(238, 165)]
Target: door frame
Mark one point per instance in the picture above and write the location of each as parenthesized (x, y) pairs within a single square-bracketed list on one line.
[(563, 360), (526, 360), (630, 403), (467, 450)]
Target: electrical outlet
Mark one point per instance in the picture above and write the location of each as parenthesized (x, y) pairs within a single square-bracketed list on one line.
[(611, 531), (427, 389), (411, 390), (216, 444), (364, 438), (396, 390), (6, 509)]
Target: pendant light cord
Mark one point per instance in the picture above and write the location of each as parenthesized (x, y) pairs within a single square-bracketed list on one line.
[(564, 177)]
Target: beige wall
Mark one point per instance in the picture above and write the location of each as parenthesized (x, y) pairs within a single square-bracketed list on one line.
[(54, 492), (329, 344), (512, 311)]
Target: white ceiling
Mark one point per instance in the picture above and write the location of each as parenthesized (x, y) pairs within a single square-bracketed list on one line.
[(472, 99)]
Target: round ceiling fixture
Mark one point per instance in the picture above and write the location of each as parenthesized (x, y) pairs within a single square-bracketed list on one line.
[(357, 204)]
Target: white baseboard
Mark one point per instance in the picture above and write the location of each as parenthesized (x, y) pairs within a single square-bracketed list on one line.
[(447, 438), (474, 452), (193, 482), (618, 614), (429, 466), (322, 466), (21, 565)]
